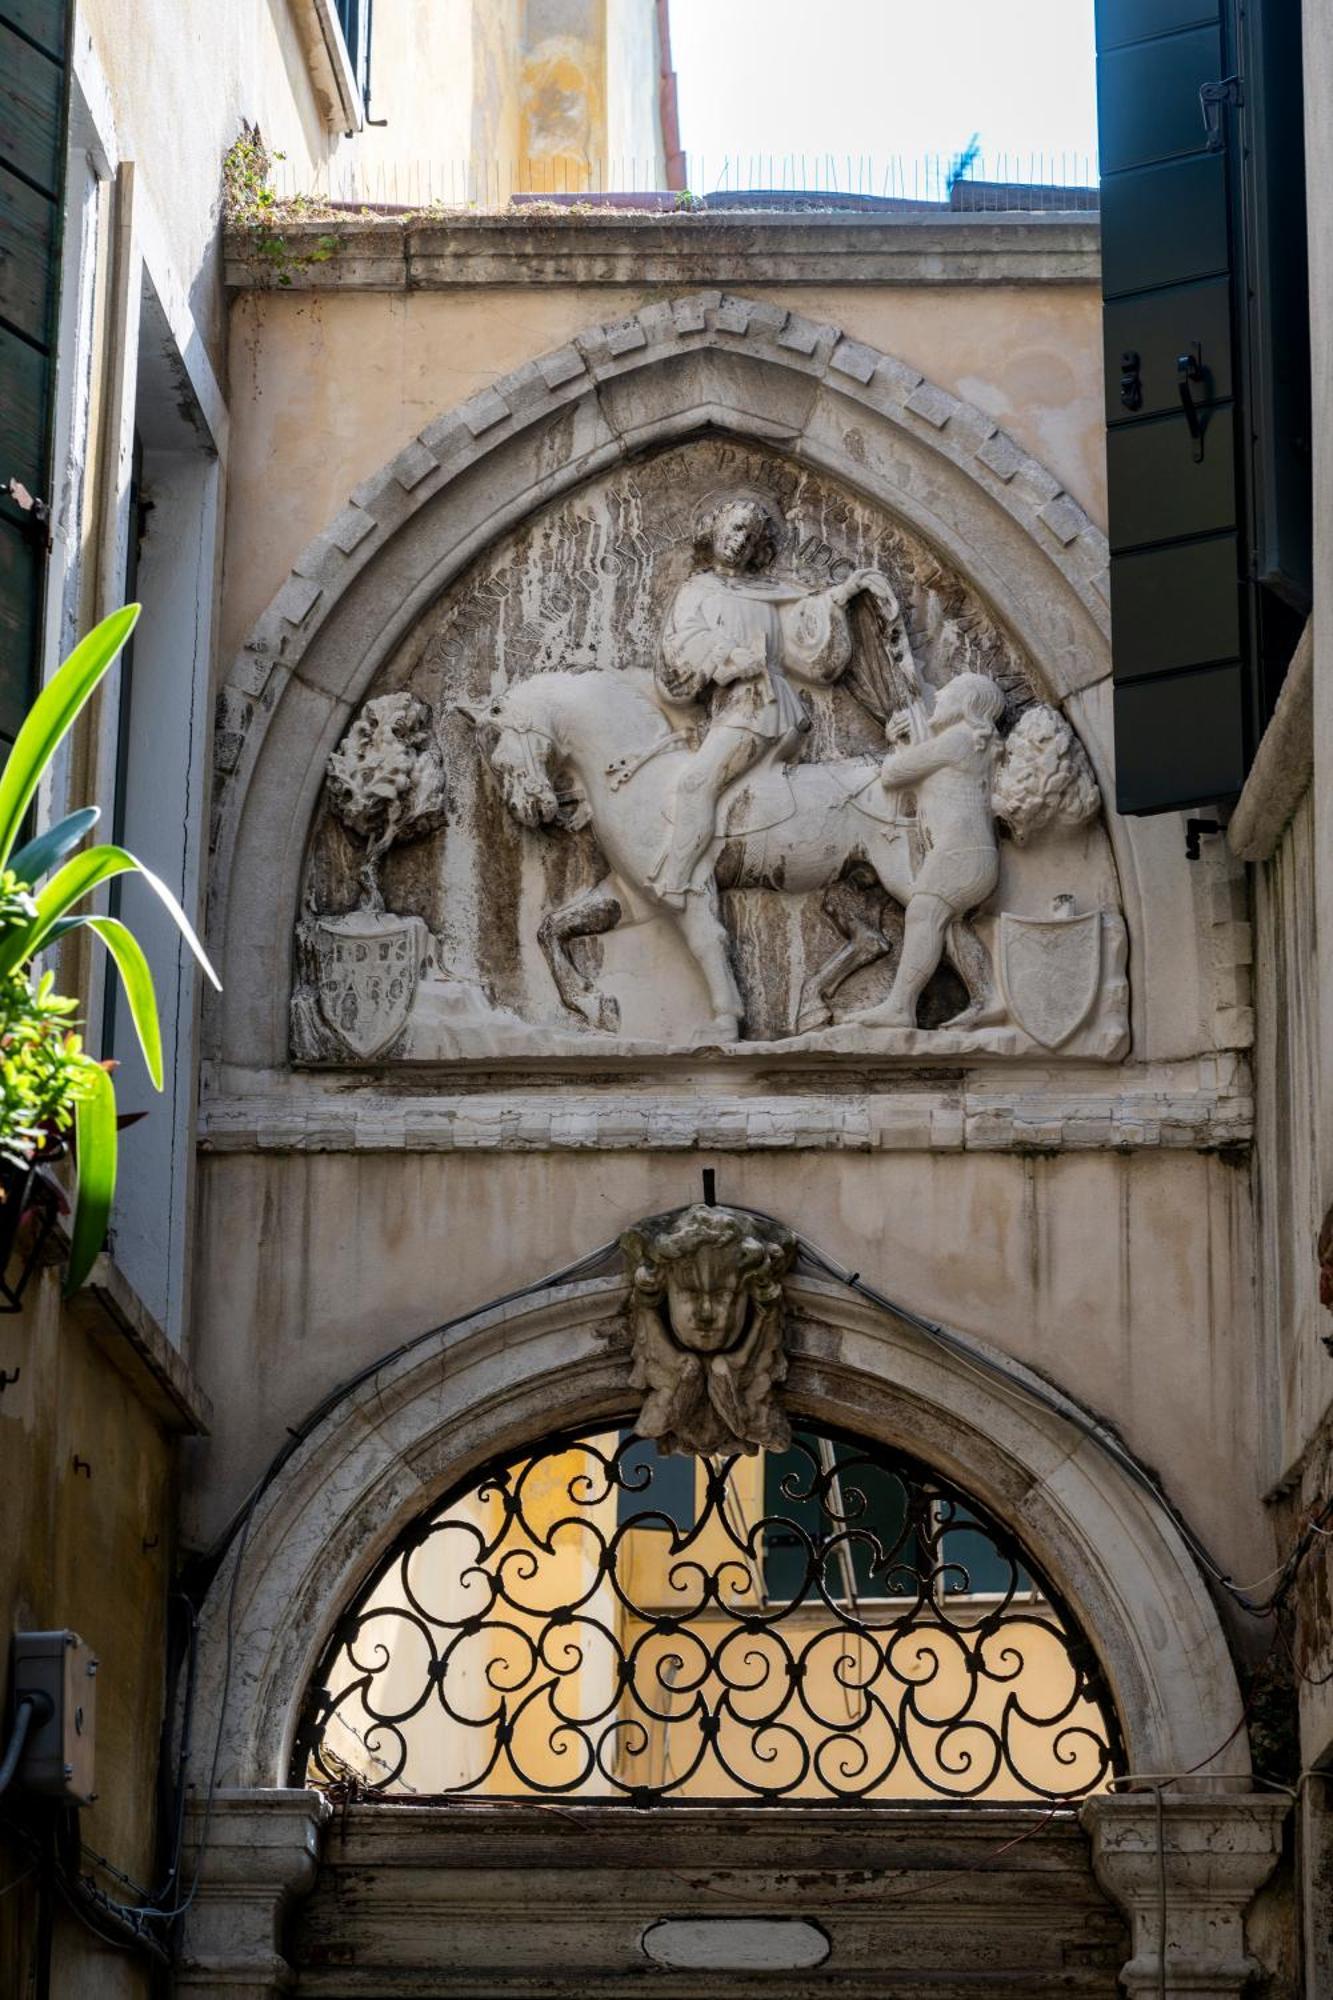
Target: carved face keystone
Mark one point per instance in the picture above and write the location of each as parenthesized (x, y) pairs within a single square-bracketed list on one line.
[(707, 1302)]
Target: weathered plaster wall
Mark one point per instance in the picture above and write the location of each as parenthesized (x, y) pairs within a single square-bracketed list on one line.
[(633, 63), (1126, 1279), (427, 83), (73, 1555), (1120, 1270), (484, 97), (1031, 358)]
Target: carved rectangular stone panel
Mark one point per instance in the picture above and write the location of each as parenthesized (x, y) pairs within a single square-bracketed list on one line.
[(710, 756), (559, 1903)]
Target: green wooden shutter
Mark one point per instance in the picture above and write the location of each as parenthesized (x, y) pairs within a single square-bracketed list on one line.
[(33, 113), (1178, 625), (1203, 259), (1275, 336)]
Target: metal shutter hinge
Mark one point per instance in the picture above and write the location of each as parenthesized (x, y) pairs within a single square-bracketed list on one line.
[(1212, 97)]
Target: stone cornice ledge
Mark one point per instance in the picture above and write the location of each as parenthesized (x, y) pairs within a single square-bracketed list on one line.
[(356, 251), (1204, 1104), (118, 1320), (1283, 767)]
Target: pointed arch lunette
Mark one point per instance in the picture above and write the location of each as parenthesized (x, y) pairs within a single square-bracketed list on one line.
[(708, 362)]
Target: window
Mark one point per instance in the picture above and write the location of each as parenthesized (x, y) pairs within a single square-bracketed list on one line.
[(891, 1533), (33, 116), (354, 20), (654, 1490), (588, 1619), (161, 750)]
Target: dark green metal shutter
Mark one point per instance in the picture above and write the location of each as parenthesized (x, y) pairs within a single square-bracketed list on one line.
[(1275, 335), (1203, 276), (1175, 517), (33, 111)]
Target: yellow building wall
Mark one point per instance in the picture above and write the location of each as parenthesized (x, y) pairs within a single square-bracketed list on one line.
[(89, 1550)]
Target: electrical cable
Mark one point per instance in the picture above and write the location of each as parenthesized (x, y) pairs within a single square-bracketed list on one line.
[(25, 1714), (1016, 1377), (117, 1930)]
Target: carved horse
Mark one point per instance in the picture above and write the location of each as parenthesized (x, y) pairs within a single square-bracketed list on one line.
[(595, 748)]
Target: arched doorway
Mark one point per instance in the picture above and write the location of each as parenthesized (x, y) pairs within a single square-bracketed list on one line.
[(938, 1532)]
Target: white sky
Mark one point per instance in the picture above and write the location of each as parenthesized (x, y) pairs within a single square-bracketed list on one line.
[(881, 78)]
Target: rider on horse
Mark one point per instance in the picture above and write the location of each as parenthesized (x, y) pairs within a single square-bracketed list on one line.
[(737, 630)]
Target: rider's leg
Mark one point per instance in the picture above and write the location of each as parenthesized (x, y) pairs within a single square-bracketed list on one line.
[(724, 755), (925, 925)]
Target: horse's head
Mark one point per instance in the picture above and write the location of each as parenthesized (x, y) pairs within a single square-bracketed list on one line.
[(515, 739)]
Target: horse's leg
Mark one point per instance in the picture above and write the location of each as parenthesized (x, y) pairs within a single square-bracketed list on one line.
[(844, 904), (972, 962), (925, 927), (706, 939), (594, 910)]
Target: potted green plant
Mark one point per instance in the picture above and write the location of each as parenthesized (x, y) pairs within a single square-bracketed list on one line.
[(54, 1096)]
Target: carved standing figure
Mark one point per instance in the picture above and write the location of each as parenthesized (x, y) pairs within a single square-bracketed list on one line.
[(949, 762), (707, 1321), (744, 633)]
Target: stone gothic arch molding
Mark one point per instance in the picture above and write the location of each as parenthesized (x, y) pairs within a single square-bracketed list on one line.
[(516, 1371), (673, 369)]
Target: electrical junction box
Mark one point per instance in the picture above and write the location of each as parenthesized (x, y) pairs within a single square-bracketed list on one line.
[(61, 1671)]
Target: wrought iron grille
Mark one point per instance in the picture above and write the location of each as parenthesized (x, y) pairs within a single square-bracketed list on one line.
[(593, 1621)]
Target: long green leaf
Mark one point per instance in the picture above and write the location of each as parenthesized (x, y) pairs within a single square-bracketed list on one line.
[(68, 886), (137, 979), (182, 922), (95, 1145), (33, 861), (51, 716), (77, 879)]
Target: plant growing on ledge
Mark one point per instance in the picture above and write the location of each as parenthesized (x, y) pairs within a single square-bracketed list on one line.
[(50, 1087), (249, 201)]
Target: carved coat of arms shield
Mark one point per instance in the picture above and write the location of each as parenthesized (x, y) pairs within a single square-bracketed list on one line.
[(367, 965), (1050, 969)]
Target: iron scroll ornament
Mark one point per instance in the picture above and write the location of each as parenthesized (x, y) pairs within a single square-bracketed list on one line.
[(579, 1621)]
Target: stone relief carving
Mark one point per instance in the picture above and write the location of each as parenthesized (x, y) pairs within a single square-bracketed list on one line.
[(386, 783), (734, 762), (707, 1323)]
